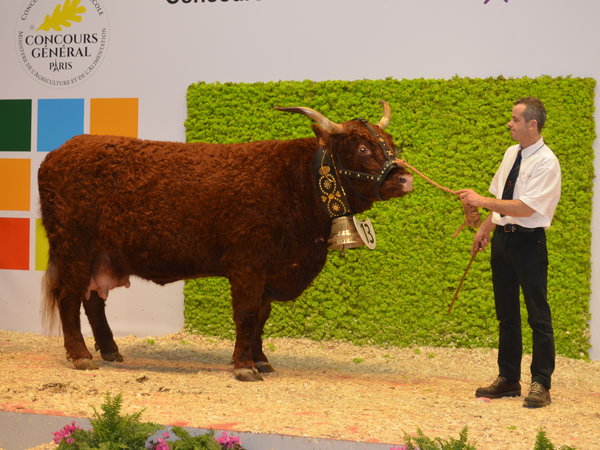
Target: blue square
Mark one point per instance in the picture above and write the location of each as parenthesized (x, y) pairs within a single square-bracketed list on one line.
[(58, 121)]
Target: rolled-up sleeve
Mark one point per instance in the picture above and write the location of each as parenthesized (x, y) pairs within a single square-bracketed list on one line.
[(542, 190)]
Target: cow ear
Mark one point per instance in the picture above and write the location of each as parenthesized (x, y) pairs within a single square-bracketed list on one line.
[(324, 137)]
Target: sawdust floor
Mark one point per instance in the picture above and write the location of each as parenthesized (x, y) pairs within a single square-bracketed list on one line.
[(321, 389)]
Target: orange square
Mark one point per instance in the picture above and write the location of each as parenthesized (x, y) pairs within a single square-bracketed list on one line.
[(114, 116), (15, 176), (14, 244)]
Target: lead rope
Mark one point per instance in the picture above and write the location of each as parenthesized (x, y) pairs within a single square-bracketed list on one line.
[(429, 180), (472, 219), (471, 213)]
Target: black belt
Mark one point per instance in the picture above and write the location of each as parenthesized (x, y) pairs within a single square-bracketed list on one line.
[(510, 228)]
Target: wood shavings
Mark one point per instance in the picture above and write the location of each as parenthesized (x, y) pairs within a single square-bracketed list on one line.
[(317, 391)]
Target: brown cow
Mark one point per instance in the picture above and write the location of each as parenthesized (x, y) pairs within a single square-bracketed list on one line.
[(166, 211)]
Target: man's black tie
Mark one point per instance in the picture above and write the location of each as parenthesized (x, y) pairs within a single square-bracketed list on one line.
[(511, 179)]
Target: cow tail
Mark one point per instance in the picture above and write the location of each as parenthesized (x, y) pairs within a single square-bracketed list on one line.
[(49, 305)]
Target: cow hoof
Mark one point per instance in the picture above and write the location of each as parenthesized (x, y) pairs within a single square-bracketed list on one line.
[(112, 356), (264, 367), (85, 364), (247, 375)]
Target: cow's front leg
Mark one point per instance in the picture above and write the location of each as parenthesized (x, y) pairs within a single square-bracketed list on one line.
[(244, 368), (69, 306), (246, 292), (260, 360), (95, 310)]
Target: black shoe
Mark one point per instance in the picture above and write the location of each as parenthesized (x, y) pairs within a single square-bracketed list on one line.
[(499, 388), (538, 396)]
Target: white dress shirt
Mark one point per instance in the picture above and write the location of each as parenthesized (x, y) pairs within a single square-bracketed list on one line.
[(538, 184)]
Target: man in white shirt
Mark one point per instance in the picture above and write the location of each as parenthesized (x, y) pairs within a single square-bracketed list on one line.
[(527, 190)]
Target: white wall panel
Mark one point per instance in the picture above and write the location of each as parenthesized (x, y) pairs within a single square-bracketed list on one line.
[(156, 49)]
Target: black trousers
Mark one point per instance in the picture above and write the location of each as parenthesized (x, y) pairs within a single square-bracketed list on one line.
[(520, 259)]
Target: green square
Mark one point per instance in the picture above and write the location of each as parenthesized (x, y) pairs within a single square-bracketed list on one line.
[(15, 125)]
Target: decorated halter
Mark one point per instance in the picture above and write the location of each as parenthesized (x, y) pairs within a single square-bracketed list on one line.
[(327, 170)]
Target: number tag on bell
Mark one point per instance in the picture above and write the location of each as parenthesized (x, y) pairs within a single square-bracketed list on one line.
[(366, 232)]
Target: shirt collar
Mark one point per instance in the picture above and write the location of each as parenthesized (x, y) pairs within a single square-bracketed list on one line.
[(528, 151)]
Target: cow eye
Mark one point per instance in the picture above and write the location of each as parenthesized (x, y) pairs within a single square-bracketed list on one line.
[(363, 150)]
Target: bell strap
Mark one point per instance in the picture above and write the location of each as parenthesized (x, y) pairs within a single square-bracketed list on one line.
[(331, 192)]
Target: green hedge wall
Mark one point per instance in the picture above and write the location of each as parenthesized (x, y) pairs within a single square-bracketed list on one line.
[(455, 132)]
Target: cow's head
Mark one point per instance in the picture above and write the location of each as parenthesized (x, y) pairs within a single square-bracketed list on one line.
[(363, 155)]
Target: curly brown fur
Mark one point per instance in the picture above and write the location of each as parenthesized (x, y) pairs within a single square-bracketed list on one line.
[(165, 211)]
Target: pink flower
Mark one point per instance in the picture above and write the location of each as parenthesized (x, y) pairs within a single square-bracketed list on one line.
[(65, 433), (161, 444), (228, 442)]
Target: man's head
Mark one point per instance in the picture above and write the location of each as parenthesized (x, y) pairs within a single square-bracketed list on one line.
[(534, 110), (528, 119)]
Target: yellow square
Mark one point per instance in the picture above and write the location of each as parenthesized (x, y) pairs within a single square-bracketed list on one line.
[(41, 246)]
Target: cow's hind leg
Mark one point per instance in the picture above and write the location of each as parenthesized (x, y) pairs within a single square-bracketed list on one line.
[(65, 288), (69, 307), (95, 311)]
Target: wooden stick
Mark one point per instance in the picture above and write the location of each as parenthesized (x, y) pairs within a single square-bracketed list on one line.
[(461, 282)]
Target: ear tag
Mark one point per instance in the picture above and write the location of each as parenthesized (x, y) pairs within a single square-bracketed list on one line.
[(366, 232)]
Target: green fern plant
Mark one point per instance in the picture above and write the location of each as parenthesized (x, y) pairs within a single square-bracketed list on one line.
[(111, 430), (422, 442), (543, 443), (187, 442)]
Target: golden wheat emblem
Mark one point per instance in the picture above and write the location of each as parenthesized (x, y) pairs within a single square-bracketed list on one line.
[(62, 17)]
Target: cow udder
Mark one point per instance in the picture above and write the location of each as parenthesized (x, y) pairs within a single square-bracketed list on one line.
[(103, 283)]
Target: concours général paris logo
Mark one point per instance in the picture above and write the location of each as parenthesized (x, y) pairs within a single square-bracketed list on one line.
[(61, 43)]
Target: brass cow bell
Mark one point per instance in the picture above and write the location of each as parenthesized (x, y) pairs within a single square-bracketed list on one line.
[(344, 234)]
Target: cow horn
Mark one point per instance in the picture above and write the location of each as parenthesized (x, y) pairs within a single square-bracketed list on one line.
[(387, 113), (327, 125)]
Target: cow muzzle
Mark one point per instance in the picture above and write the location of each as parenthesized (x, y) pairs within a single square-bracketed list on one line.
[(404, 178), (398, 183), (406, 181)]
